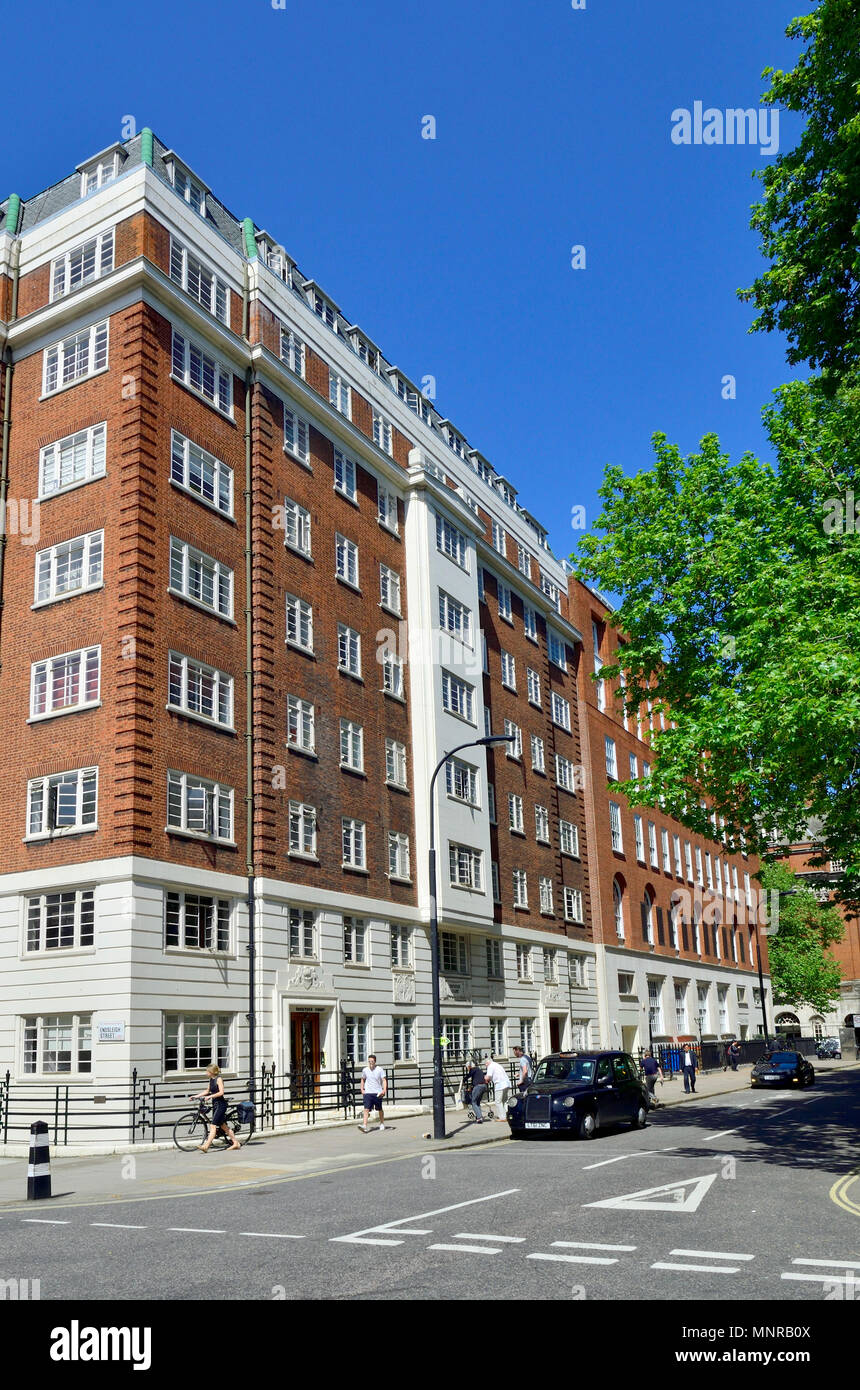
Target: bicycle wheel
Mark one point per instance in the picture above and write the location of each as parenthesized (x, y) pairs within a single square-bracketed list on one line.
[(189, 1131), (242, 1132)]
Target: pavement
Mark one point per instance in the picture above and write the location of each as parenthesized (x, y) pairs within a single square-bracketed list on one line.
[(145, 1172), (735, 1197)]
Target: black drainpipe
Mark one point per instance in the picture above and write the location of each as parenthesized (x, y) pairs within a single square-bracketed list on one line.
[(13, 214), (249, 713)]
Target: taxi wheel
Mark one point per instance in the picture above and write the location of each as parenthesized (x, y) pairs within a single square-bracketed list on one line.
[(640, 1118), (587, 1125)]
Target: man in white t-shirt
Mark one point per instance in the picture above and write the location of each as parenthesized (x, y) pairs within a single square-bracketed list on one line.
[(374, 1087), (497, 1077)]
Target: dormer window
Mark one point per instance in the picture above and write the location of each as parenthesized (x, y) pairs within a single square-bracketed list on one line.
[(411, 397), (274, 256), (186, 185), (364, 349), (101, 170), (455, 441), (323, 307)]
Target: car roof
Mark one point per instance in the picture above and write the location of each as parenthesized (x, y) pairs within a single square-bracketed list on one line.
[(589, 1052)]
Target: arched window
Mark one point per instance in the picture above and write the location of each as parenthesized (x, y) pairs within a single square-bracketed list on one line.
[(618, 905), (648, 916), (674, 919), (817, 1026)]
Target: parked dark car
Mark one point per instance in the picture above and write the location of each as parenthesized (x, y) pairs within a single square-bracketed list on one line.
[(783, 1069), (829, 1047), (580, 1093)]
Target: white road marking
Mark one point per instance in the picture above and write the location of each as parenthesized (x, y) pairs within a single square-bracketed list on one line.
[(683, 1195), (603, 1162), (590, 1245), (720, 1135), (575, 1259), (712, 1254), (197, 1230), (118, 1225), (42, 1221), (506, 1240), (392, 1227), (698, 1269), (842, 1264), (820, 1278), (469, 1249), (269, 1235)]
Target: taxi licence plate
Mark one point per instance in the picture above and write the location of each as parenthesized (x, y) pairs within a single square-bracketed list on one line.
[(533, 1124), (772, 1076)]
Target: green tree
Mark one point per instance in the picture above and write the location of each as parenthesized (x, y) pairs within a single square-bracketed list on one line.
[(803, 972), (740, 613), (809, 218)]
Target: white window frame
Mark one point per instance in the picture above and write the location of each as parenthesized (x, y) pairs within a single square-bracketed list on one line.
[(74, 460), (301, 724), (47, 673), (65, 275), (568, 835), (297, 436), (615, 828), (297, 528), (395, 764), (560, 709), (192, 468), (458, 697), (303, 619), (353, 838), (451, 541), (386, 509), (399, 867), (340, 394), (184, 557), (573, 905), (76, 358), (389, 590), (74, 913), (218, 806), (188, 670), (43, 800), (345, 475), (346, 560), (201, 373), (466, 867), (351, 745), (349, 650), (199, 281), (538, 748)]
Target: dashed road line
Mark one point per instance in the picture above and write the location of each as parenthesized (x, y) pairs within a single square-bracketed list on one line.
[(721, 1135), (270, 1235), (42, 1221), (575, 1259), (591, 1245), (118, 1226), (640, 1153), (502, 1240), (847, 1279), (197, 1230), (841, 1264), (697, 1269), (469, 1249), (713, 1254)]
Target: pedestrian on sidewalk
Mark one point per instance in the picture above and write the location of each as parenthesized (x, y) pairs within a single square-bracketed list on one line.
[(523, 1068), (477, 1086), (496, 1076), (374, 1089), (215, 1092), (652, 1069), (688, 1067), (734, 1054)]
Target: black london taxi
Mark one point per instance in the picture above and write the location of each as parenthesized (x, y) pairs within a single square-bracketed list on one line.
[(580, 1093), (783, 1069)]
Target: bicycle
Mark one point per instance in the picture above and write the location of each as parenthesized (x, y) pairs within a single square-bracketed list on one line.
[(191, 1129)]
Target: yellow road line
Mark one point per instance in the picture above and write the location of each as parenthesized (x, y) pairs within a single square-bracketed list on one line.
[(839, 1192)]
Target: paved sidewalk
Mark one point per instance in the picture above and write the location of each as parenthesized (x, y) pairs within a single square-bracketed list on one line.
[(272, 1159)]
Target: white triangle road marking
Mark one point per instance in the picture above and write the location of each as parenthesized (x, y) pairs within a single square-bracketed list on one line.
[(684, 1194)]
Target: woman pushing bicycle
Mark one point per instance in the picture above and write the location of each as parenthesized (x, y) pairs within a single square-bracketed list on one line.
[(215, 1093)]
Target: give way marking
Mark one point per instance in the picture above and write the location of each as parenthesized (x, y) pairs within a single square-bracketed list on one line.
[(383, 1233), (684, 1194)]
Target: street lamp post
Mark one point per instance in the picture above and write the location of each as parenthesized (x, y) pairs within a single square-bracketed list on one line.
[(753, 928), (438, 1080)]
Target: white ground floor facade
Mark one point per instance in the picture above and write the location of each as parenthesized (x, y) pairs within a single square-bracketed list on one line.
[(134, 964), (646, 998)]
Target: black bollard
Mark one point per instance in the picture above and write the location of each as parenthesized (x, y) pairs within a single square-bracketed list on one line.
[(39, 1167)]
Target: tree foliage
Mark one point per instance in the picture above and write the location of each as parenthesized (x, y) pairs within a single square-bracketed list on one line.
[(741, 615), (809, 217), (803, 972)]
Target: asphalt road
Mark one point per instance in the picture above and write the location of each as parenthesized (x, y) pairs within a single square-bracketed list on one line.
[(753, 1206)]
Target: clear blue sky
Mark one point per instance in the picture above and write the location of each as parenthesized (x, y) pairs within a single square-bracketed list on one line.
[(553, 129)]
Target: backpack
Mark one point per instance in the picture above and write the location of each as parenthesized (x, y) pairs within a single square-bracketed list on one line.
[(245, 1112)]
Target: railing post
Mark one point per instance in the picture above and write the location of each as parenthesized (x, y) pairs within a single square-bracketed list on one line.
[(66, 1117), (6, 1107)]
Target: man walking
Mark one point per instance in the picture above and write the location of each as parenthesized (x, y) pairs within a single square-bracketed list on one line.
[(523, 1064), (688, 1067), (374, 1088), (496, 1076), (734, 1054), (652, 1069), (477, 1085)]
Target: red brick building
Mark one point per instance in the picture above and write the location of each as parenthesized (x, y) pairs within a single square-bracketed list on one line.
[(254, 588), (669, 909)]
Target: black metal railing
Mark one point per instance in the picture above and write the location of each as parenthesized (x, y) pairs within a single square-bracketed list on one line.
[(712, 1055)]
